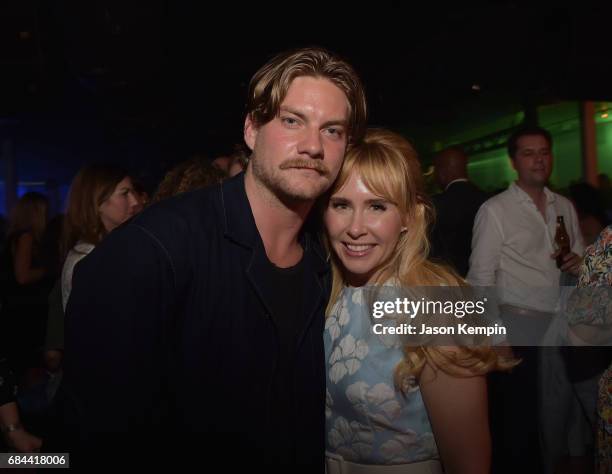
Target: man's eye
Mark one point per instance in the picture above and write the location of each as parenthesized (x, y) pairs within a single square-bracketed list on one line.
[(289, 121)]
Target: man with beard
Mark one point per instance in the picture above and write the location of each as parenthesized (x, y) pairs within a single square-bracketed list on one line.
[(196, 328)]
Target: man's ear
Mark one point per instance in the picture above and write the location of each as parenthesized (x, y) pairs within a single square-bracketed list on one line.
[(250, 132)]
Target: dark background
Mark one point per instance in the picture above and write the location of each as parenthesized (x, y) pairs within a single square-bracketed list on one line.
[(148, 83)]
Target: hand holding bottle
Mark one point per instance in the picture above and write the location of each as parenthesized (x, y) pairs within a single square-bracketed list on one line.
[(568, 262)]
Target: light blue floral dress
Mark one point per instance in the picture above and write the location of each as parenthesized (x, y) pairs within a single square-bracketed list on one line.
[(368, 421)]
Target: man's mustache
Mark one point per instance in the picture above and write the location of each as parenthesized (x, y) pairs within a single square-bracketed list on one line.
[(305, 163)]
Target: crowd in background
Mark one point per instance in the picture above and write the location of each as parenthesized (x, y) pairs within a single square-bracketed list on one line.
[(38, 255)]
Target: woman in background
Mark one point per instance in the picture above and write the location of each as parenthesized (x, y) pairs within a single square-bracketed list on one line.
[(101, 198), (25, 283)]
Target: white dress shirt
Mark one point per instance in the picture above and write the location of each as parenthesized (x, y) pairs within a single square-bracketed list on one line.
[(512, 244)]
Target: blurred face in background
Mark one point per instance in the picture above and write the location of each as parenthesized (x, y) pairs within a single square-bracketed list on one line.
[(120, 205), (142, 199), (533, 161)]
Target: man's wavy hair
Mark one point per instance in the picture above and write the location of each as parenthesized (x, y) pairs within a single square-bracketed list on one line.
[(270, 84)]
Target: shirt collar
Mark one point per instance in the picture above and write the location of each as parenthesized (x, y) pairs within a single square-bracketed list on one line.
[(522, 196), (83, 247)]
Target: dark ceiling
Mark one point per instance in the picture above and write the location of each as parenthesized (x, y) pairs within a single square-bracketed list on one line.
[(177, 71)]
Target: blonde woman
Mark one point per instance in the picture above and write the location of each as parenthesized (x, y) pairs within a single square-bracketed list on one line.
[(394, 408)]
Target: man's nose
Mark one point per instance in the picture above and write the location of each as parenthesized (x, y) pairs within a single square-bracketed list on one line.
[(311, 143)]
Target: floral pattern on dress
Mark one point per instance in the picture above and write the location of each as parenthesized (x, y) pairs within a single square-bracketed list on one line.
[(594, 307), (591, 304), (597, 265), (367, 420), (352, 440), (347, 357)]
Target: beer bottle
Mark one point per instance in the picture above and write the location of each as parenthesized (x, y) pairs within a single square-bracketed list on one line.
[(562, 241)]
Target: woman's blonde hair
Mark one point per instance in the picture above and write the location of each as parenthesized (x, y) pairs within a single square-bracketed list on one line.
[(388, 165)]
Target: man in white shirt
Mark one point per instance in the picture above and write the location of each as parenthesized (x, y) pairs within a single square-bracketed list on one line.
[(513, 244), (513, 248)]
